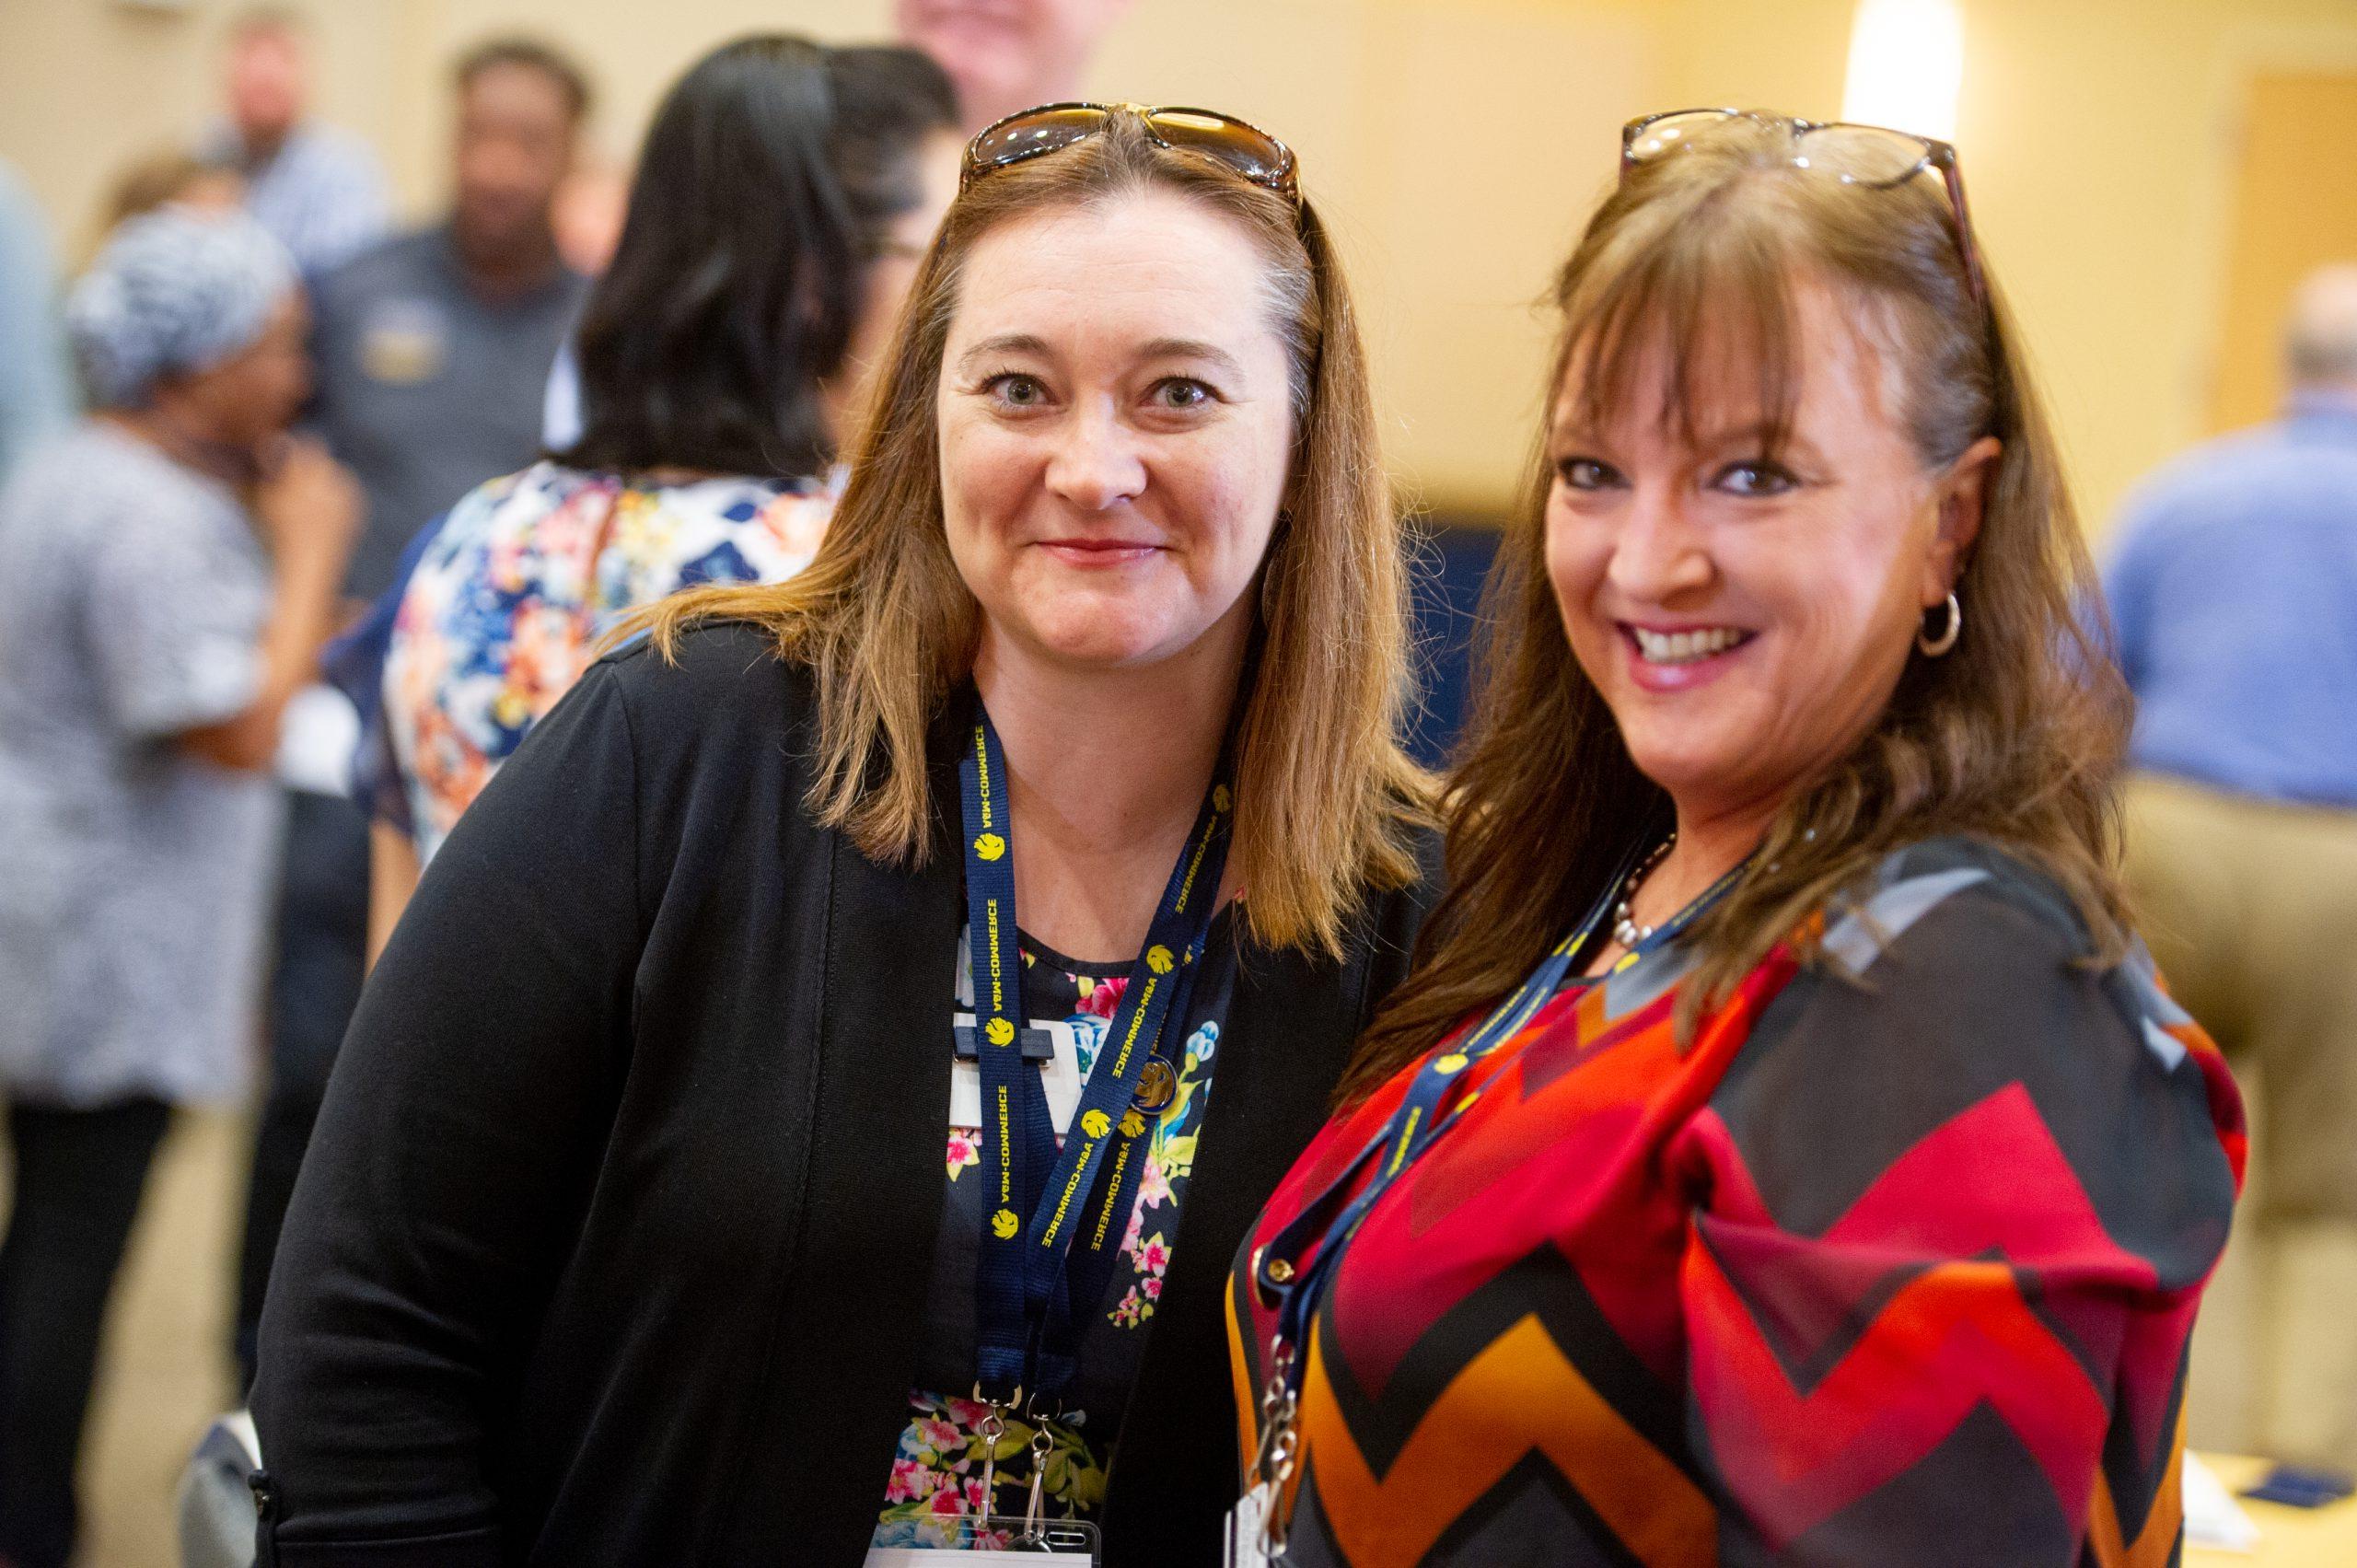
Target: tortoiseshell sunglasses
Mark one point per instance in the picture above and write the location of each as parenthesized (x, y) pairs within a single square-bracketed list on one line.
[(1252, 152)]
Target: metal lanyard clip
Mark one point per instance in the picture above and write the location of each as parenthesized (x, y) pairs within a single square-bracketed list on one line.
[(1279, 1448)]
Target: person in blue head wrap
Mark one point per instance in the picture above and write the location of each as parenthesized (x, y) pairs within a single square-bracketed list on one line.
[(169, 568)]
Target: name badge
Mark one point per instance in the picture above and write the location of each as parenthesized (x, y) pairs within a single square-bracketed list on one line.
[(1247, 1539), (1059, 1074), (948, 1557), (405, 342), (999, 1542)]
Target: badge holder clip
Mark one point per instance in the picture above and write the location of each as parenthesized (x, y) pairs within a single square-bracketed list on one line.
[(1255, 1535)]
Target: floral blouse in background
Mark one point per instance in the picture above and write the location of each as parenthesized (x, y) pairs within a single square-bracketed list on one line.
[(524, 577), (937, 1479)]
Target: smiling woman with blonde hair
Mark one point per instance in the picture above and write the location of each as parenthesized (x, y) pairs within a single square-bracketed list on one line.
[(1784, 1150), (628, 1234)]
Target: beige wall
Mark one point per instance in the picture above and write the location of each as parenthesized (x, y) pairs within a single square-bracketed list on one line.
[(2109, 156), (2098, 142), (2287, 221), (88, 85), (1452, 144)]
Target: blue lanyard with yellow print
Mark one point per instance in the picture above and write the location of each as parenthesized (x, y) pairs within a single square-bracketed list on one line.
[(1286, 1271), (1055, 1220)]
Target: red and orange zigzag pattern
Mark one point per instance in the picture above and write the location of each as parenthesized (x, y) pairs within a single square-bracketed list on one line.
[(1959, 1335)]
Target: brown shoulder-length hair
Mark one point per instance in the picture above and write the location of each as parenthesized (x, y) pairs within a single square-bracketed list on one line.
[(2013, 737), (1326, 798)]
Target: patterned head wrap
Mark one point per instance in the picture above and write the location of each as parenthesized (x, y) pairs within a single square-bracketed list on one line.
[(173, 291)]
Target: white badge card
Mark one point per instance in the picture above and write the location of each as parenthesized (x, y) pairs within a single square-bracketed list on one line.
[(999, 1541), (1247, 1539), (1059, 1076)]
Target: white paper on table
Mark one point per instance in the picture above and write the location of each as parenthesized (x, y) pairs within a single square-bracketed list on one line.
[(2213, 1517)]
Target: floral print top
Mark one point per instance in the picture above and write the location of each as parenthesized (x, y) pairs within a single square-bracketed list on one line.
[(524, 577), (937, 1479)]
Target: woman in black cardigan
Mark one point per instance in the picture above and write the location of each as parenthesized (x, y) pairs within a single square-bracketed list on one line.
[(626, 1235)]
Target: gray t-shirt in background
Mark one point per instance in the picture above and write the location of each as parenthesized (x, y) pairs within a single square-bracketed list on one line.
[(426, 389), (133, 877)]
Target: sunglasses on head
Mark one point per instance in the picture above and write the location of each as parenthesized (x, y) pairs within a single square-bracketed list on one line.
[(1872, 155), (1246, 150)]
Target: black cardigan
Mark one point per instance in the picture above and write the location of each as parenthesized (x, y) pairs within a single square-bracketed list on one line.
[(611, 1240)]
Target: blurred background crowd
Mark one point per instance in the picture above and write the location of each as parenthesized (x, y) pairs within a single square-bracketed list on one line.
[(281, 288)]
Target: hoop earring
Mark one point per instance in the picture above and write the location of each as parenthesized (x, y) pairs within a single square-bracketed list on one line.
[(1934, 647)]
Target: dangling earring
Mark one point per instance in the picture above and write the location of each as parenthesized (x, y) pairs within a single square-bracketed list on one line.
[(1932, 647)]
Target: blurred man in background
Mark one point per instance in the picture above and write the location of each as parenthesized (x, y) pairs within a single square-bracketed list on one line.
[(433, 350), (319, 190), (1005, 55), (2233, 582), (434, 345), (36, 389)]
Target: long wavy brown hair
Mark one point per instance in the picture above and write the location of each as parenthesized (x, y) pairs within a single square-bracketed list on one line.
[(2013, 737), (1326, 798)]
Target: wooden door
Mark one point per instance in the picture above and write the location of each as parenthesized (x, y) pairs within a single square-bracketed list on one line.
[(2296, 209)]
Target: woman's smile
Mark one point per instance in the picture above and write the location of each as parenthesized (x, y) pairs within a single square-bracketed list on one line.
[(1678, 658), (1093, 554)]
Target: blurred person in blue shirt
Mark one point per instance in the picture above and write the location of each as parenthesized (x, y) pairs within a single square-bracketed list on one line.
[(36, 390), (2232, 587), (317, 190)]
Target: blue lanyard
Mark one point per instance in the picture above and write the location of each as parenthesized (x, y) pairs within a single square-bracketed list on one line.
[(1414, 1127), (1037, 1282)]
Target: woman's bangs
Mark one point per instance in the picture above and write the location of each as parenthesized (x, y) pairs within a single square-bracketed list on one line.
[(1697, 317)]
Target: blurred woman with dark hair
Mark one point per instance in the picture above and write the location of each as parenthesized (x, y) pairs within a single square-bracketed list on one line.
[(782, 195)]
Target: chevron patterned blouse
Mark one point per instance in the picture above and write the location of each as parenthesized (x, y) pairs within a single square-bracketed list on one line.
[(1891, 1266)]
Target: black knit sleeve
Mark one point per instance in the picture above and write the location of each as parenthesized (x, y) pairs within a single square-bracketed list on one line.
[(454, 1157)]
